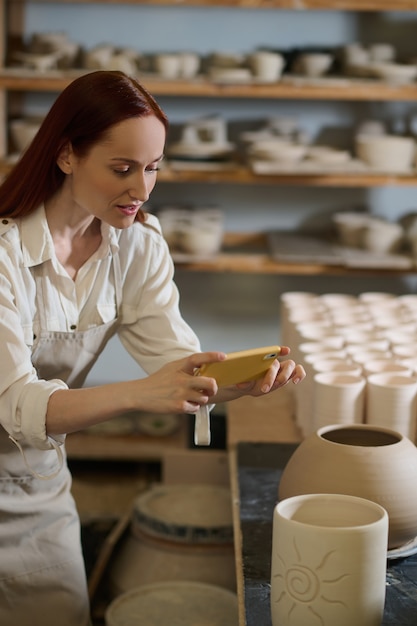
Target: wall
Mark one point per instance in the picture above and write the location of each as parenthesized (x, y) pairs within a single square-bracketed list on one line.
[(236, 311)]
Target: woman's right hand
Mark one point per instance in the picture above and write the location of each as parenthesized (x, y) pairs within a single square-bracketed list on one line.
[(174, 388)]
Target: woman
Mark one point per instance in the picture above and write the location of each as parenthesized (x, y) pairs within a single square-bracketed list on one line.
[(80, 261)]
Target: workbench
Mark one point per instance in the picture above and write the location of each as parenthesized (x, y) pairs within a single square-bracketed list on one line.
[(257, 458)]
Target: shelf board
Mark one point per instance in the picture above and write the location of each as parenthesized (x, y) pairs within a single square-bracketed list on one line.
[(290, 87), (131, 447), (331, 5), (246, 253), (252, 263), (241, 175)]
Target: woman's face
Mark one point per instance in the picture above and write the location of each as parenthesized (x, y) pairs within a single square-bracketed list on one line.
[(118, 174)]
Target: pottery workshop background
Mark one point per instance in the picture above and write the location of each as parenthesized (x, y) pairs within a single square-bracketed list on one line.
[(236, 311)]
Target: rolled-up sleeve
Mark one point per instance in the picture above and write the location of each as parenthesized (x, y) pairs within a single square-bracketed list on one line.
[(23, 397)]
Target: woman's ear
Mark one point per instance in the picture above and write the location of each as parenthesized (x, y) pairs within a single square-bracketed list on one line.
[(64, 160)]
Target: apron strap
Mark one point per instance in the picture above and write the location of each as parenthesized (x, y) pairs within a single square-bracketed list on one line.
[(57, 449)]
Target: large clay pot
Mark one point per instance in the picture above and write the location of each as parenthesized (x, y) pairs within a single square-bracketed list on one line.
[(361, 460), (177, 532)]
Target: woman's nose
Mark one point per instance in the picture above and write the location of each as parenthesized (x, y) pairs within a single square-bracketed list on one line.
[(139, 189)]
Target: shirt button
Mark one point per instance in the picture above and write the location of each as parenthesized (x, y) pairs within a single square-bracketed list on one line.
[(73, 326), (4, 221)]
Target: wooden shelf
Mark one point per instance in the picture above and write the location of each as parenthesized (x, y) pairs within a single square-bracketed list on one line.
[(290, 87), (237, 257), (246, 253), (129, 447), (263, 264), (298, 5), (241, 175)]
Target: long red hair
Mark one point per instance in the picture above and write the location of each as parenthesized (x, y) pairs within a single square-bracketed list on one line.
[(81, 115)]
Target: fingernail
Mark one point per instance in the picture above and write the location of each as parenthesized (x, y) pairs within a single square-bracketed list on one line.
[(265, 389), (296, 380)]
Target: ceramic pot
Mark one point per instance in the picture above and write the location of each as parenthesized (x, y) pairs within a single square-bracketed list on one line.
[(179, 602), (371, 462), (177, 533)]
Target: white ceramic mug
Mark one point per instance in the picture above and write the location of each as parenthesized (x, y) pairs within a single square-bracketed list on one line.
[(266, 66), (329, 556)]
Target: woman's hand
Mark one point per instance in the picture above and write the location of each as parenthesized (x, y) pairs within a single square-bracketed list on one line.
[(175, 388), (172, 389), (278, 375)]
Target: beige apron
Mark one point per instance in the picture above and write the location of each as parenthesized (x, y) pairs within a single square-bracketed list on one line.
[(42, 575)]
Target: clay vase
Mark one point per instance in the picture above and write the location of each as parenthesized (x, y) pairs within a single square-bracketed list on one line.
[(361, 460)]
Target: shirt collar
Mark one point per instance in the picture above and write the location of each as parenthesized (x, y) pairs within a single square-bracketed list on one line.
[(38, 246)]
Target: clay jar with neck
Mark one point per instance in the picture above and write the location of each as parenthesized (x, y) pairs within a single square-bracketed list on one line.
[(371, 462)]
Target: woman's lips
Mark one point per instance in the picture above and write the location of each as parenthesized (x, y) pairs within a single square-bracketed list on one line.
[(128, 210)]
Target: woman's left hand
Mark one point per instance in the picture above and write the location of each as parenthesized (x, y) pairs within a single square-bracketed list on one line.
[(279, 374)]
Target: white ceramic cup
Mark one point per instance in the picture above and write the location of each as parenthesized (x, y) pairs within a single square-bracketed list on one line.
[(391, 401), (168, 65), (189, 64), (386, 365), (329, 556), (266, 66), (339, 365), (338, 398)]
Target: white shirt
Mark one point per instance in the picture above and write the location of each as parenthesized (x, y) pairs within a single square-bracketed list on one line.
[(150, 324)]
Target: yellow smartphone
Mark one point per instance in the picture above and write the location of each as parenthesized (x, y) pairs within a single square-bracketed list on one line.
[(242, 366)]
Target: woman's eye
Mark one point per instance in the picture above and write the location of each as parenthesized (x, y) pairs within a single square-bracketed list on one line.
[(122, 172), (152, 168)]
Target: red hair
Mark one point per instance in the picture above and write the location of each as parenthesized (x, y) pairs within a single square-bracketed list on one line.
[(81, 115)]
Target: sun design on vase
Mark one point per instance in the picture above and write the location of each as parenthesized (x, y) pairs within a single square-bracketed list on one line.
[(302, 587)]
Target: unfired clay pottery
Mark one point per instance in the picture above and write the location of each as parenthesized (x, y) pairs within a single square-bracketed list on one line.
[(23, 130), (399, 73), (382, 52), (337, 398), (181, 603), (386, 152), (371, 462), (313, 64), (168, 65), (329, 556), (266, 66), (391, 401), (178, 532)]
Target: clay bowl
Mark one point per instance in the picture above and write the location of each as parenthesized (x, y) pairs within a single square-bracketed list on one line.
[(390, 153), (23, 130), (400, 73), (367, 461)]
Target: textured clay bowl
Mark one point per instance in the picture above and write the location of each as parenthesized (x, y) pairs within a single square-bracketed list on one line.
[(367, 461)]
